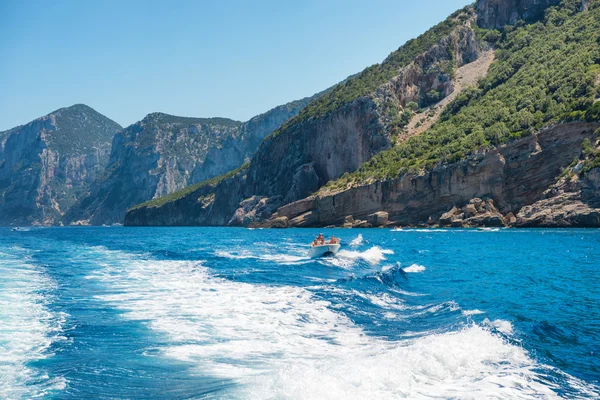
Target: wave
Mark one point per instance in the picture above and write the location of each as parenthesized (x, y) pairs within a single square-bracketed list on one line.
[(357, 241), (374, 255), (390, 275), (27, 327), (414, 268), (284, 342), (470, 363), (499, 325)]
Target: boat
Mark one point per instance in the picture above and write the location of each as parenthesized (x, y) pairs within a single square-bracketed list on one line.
[(323, 250)]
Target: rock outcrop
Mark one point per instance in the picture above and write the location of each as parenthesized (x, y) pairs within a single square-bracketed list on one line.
[(495, 14), (50, 163), (476, 213), (573, 201)]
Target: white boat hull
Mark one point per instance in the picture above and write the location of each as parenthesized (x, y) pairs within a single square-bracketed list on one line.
[(323, 250)]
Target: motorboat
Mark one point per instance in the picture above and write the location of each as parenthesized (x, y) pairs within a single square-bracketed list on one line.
[(324, 250)]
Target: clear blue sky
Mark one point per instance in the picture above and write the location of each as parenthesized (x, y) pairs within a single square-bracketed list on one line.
[(221, 58)]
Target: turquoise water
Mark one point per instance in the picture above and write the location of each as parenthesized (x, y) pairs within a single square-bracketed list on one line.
[(179, 313)]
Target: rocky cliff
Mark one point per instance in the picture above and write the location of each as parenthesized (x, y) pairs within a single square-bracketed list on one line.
[(495, 14), (512, 176), (47, 164), (163, 153), (364, 138), (316, 146)]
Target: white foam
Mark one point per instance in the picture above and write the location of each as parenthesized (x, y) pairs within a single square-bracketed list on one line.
[(283, 342), (357, 241), (235, 255), (374, 255), (469, 364), (27, 327), (500, 325), (414, 268), (280, 258), (468, 313)]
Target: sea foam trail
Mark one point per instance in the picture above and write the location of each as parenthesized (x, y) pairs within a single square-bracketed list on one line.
[(282, 342), (27, 327)]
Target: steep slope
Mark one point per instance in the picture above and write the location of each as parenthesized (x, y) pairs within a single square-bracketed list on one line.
[(162, 154), (359, 118), (495, 14), (47, 164), (545, 75)]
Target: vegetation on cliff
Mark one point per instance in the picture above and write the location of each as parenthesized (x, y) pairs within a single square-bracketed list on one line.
[(371, 78), (545, 73), (591, 152), (160, 201)]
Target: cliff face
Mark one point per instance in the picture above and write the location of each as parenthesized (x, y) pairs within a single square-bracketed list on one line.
[(513, 176), (307, 153), (162, 154), (371, 132), (47, 164), (154, 157), (495, 14)]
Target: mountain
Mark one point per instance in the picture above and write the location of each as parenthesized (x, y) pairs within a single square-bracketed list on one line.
[(478, 117), (48, 163), (163, 153)]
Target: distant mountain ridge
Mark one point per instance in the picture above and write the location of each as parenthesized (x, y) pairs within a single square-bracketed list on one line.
[(76, 166), (47, 164), (164, 153)]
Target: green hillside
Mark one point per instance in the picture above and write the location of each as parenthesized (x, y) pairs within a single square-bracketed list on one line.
[(544, 73), (371, 78)]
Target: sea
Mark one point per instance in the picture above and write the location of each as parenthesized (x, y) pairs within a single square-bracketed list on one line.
[(233, 313)]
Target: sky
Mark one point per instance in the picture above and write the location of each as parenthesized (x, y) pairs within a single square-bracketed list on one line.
[(222, 58)]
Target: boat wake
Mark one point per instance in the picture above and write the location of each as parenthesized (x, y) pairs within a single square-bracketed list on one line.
[(27, 327), (288, 342)]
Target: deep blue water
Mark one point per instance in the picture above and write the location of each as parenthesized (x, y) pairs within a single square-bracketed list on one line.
[(179, 313)]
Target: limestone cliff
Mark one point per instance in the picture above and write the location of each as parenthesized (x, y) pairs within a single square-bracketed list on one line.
[(47, 164), (513, 176), (306, 152), (490, 151), (163, 153), (574, 199), (495, 14)]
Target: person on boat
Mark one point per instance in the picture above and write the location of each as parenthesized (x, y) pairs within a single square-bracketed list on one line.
[(320, 239), (315, 243), (333, 240)]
